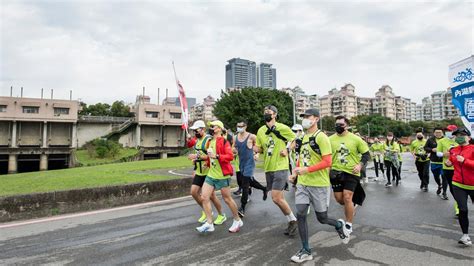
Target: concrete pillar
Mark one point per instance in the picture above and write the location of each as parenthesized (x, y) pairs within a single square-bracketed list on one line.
[(74, 136), (12, 164), (43, 162), (13, 137), (138, 136), (45, 135), (164, 155)]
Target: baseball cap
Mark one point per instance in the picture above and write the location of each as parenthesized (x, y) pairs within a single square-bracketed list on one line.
[(462, 130), (451, 128), (198, 124), (217, 123), (272, 107), (309, 112), (297, 127)]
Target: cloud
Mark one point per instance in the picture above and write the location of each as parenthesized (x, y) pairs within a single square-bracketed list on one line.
[(109, 50)]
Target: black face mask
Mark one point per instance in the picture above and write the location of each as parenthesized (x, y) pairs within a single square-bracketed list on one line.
[(211, 132), (419, 137), (198, 135), (340, 129), (267, 117)]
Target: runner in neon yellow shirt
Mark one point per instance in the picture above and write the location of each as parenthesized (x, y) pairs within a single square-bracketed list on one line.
[(273, 140), (347, 163)]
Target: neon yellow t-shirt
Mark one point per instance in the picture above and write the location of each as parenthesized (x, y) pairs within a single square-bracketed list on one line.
[(201, 167), (309, 157), (418, 148), (215, 170), (445, 145), (346, 151), (272, 146), (390, 149)]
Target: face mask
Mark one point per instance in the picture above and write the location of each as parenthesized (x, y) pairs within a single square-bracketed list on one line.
[(460, 140), (449, 134), (306, 123), (419, 137), (198, 135), (211, 132), (340, 129), (390, 138), (240, 129), (267, 117)]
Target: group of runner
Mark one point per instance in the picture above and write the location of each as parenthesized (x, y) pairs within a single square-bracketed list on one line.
[(317, 162), (449, 153), (305, 156)]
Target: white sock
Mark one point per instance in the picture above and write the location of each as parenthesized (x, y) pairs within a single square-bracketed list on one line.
[(291, 217), (465, 235)]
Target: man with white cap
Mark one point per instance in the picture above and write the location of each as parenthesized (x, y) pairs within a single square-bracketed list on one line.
[(200, 143), (220, 156)]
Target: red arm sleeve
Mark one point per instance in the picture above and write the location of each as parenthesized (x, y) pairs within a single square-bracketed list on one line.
[(326, 162), (190, 143)]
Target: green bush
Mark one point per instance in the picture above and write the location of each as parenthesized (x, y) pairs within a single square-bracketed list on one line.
[(106, 148)]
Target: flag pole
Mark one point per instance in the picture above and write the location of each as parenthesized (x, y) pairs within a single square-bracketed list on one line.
[(182, 107)]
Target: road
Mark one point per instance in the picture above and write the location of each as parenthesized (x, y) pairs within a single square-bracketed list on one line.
[(399, 225)]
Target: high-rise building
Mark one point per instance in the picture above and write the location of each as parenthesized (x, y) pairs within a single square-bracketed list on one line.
[(385, 104), (340, 102), (204, 110), (266, 76), (240, 73)]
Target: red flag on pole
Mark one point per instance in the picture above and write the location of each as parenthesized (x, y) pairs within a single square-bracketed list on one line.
[(184, 106), (183, 102)]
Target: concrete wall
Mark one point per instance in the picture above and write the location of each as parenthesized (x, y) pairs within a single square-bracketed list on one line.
[(89, 131), (151, 136), (173, 136), (59, 134), (29, 133), (128, 139), (46, 111), (47, 204), (5, 133)]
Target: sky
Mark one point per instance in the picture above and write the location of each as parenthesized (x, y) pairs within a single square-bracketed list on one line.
[(109, 50)]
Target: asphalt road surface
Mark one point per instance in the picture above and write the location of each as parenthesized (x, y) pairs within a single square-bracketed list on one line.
[(396, 226)]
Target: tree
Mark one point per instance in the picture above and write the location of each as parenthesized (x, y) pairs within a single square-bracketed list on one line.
[(119, 109), (248, 104)]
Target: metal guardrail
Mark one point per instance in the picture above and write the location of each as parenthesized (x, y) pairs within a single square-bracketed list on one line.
[(104, 119)]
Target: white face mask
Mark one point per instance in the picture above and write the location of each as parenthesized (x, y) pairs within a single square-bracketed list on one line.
[(449, 135), (306, 123), (240, 129)]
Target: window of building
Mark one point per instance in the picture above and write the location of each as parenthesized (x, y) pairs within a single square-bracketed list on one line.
[(30, 109), (61, 111), (3, 108), (175, 115), (152, 114)]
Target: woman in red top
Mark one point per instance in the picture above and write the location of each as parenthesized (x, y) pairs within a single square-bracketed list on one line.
[(462, 158)]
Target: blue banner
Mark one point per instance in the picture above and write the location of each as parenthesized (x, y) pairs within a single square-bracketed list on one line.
[(463, 100)]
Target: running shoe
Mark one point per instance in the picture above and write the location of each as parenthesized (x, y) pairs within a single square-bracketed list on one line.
[(425, 189), (203, 217), (302, 256), (220, 219), (236, 225), (388, 184), (376, 179), (440, 188), (465, 240), (205, 228), (347, 231), (340, 228), (291, 229), (445, 197), (238, 192)]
